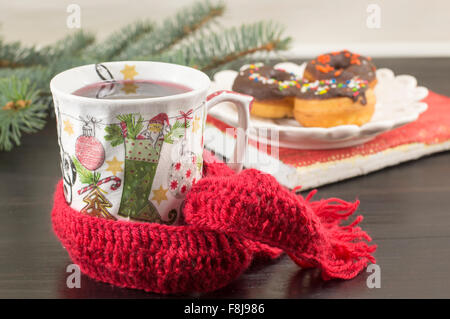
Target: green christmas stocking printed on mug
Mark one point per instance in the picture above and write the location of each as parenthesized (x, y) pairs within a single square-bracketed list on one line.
[(142, 151)]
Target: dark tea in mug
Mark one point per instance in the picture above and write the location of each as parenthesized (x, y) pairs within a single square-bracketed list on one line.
[(136, 89)]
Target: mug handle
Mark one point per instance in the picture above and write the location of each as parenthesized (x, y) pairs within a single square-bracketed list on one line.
[(243, 104)]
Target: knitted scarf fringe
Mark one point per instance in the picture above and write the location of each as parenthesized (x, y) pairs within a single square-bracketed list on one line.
[(350, 253), (341, 251)]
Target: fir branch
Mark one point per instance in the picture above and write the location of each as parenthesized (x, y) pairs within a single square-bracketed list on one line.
[(176, 132), (219, 49), (133, 127), (34, 74), (14, 55), (96, 177), (114, 135), (86, 176), (71, 45), (20, 112), (40, 75), (185, 22), (114, 44)]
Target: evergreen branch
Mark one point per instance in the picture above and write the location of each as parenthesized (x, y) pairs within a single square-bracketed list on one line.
[(40, 75), (133, 127), (86, 176), (176, 132), (33, 73), (57, 58), (114, 44), (218, 49), (136, 127), (96, 178), (180, 124), (185, 22), (114, 135), (71, 45), (20, 112), (13, 55)]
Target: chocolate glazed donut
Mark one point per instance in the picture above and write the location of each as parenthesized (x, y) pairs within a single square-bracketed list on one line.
[(271, 88), (342, 65), (263, 82)]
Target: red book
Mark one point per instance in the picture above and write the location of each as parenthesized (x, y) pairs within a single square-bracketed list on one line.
[(312, 168)]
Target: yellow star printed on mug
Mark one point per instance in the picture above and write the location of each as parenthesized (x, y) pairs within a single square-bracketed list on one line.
[(159, 194), (114, 166), (196, 124), (129, 72), (68, 128)]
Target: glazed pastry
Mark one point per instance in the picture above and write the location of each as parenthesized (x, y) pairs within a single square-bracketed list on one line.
[(271, 89), (337, 89), (333, 102), (342, 65)]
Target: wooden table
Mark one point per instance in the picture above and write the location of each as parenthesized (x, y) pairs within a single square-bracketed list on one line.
[(406, 210)]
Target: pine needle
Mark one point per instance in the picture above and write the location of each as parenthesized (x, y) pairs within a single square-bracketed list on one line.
[(176, 132), (14, 55), (20, 112), (185, 22), (118, 41), (134, 127), (71, 45), (212, 52), (113, 134), (86, 176)]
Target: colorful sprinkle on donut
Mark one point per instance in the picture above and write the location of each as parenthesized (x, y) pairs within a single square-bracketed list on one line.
[(344, 64), (255, 76)]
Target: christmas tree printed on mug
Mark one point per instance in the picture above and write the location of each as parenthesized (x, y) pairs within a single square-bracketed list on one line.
[(90, 156), (143, 144)]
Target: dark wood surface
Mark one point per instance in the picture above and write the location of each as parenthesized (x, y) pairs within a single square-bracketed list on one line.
[(406, 210)]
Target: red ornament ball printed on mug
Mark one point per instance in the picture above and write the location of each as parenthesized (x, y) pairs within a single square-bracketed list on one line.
[(89, 152), (88, 149)]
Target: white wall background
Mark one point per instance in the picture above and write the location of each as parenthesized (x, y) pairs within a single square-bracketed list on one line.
[(412, 28)]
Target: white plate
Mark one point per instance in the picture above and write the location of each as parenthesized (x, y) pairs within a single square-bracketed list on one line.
[(398, 103)]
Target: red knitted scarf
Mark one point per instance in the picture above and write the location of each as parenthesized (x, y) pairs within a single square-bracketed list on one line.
[(229, 220)]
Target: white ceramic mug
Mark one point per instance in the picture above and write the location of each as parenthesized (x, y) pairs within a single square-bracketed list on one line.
[(110, 167)]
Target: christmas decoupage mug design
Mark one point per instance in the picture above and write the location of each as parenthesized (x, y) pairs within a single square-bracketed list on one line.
[(135, 159)]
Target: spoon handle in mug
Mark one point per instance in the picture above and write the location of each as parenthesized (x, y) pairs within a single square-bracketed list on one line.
[(243, 104)]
